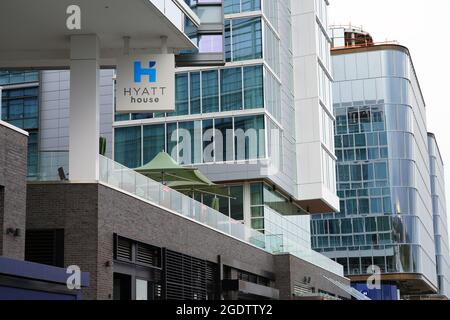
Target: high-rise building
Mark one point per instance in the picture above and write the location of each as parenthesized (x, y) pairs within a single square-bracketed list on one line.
[(385, 221), (253, 112), (275, 92), (439, 216)]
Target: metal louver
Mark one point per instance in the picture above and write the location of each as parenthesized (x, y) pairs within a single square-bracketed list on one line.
[(45, 247), (187, 278), (124, 249)]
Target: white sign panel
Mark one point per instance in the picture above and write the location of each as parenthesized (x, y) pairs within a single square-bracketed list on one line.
[(145, 83)]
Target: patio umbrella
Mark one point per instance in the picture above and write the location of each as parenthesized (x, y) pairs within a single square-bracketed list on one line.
[(163, 168)]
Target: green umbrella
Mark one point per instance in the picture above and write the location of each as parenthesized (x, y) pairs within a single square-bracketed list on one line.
[(165, 169)]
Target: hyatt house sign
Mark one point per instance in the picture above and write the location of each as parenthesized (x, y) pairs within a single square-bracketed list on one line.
[(145, 83)]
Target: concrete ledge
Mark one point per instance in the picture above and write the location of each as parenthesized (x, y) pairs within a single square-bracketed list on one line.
[(10, 126)]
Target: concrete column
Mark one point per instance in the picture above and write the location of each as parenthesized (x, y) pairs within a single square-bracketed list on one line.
[(84, 108)]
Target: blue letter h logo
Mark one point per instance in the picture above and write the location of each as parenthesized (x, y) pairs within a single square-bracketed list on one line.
[(139, 72)]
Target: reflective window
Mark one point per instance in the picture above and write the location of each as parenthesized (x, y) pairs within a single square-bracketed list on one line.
[(231, 89), (236, 6), (253, 87), (154, 141), (127, 150), (195, 92), (249, 137), (210, 91), (243, 39)]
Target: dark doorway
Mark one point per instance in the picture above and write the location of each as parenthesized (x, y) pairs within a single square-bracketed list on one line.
[(122, 287)]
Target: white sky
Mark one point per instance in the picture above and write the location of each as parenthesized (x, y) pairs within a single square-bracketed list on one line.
[(424, 27)]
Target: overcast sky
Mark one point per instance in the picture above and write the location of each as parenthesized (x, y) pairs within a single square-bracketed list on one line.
[(423, 27)]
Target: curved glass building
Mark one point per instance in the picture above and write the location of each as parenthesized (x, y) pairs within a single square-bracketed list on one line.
[(439, 216), (385, 221)]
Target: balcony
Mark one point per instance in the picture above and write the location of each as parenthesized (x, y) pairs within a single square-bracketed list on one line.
[(123, 179)]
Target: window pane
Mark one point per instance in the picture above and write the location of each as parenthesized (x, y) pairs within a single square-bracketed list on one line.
[(246, 39), (208, 143), (172, 140), (195, 92), (210, 91), (253, 87), (249, 137), (231, 6), (154, 141), (237, 204), (181, 95), (127, 150), (224, 139), (231, 89), (256, 191)]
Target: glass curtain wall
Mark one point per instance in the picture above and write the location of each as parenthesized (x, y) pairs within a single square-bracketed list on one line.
[(384, 216)]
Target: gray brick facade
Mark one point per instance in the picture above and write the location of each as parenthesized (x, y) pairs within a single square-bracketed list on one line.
[(90, 214), (13, 166)]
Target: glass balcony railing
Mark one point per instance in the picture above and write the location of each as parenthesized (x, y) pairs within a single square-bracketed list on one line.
[(53, 166), (123, 178), (177, 11), (126, 179)]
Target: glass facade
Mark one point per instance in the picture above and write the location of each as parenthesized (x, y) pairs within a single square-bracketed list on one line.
[(440, 225), (18, 77), (20, 107), (243, 39), (385, 213), (237, 6), (193, 142), (210, 91), (228, 115)]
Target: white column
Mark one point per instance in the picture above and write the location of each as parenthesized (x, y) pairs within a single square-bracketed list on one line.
[(84, 108)]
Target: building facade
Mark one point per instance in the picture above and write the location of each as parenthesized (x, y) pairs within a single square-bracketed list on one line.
[(254, 124), (127, 246), (385, 222), (439, 216)]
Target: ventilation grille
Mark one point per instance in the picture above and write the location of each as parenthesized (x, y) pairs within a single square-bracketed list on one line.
[(124, 249), (45, 247), (147, 255), (188, 278)]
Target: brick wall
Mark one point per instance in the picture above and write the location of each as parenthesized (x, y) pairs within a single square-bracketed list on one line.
[(13, 166), (292, 270), (91, 214), (72, 207)]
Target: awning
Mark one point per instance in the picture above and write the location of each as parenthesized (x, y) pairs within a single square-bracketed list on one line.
[(34, 34)]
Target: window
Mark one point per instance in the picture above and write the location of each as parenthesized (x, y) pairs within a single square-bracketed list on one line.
[(172, 140), (154, 141), (249, 137), (210, 91), (237, 203), (243, 39), (231, 89), (195, 93), (224, 142), (208, 143), (189, 136), (181, 95), (127, 150), (236, 6), (14, 77), (253, 87), (381, 171)]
